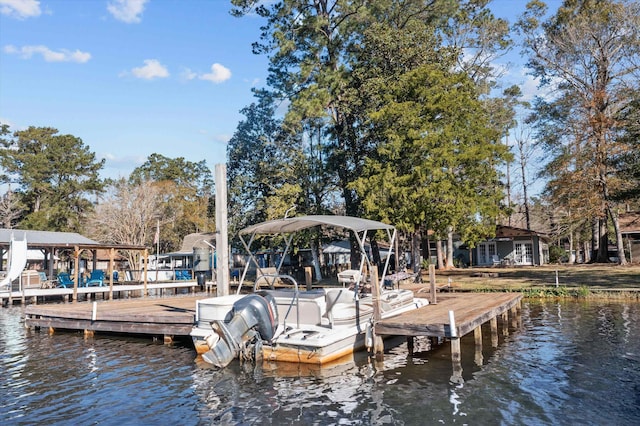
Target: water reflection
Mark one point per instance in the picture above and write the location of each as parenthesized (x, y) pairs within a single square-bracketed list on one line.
[(562, 363)]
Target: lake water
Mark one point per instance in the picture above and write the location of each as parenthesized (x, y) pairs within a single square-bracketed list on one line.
[(566, 363)]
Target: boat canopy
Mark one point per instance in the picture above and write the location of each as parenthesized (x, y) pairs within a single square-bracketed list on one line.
[(294, 224), (288, 226)]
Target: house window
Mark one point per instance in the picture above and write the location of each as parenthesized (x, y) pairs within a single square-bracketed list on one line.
[(523, 253), (486, 252)]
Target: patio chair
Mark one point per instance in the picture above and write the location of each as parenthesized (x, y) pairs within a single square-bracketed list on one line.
[(495, 259), (64, 280), (96, 279), (44, 281)]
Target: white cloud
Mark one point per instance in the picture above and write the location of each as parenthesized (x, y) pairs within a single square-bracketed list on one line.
[(7, 122), (187, 74), (20, 9), (62, 55), (152, 69), (128, 11), (218, 74)]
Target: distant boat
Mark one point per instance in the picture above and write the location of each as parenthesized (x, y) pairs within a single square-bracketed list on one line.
[(286, 324)]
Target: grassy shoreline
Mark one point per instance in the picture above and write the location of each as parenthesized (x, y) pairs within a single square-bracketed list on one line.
[(602, 281)]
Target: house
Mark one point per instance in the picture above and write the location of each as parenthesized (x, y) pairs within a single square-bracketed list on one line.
[(196, 255), (512, 246), (630, 230)]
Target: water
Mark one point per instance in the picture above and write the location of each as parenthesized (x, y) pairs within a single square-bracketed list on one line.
[(567, 363)]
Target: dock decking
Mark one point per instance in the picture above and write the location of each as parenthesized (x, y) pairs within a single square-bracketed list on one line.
[(121, 290), (470, 310), (166, 316), (174, 316)]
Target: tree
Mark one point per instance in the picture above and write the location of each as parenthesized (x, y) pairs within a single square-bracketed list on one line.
[(127, 215), (259, 167), (589, 53), (55, 174), (438, 166), (10, 209), (186, 187), (309, 43)]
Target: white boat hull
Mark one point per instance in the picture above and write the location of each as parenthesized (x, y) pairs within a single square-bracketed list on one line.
[(318, 329)]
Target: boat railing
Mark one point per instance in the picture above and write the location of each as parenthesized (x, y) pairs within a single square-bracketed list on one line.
[(296, 294)]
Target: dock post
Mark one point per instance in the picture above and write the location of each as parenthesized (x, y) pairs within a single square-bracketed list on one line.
[(477, 335), (455, 340), (514, 317), (410, 345), (505, 323), (308, 277), (378, 344), (456, 357), (494, 332), (432, 282)]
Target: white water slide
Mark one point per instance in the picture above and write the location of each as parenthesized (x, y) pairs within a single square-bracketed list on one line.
[(17, 261)]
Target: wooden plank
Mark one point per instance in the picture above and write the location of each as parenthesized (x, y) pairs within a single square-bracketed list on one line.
[(169, 316), (471, 310)]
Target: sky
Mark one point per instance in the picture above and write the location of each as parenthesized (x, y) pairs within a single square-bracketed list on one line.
[(137, 77)]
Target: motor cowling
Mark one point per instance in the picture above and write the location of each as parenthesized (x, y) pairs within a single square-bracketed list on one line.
[(253, 312)]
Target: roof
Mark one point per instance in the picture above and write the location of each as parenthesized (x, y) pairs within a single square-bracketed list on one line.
[(199, 240), (629, 222), (503, 231), (45, 238), (59, 240), (293, 224)]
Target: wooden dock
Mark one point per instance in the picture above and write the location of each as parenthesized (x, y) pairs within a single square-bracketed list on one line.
[(470, 311), (35, 295), (171, 317), (452, 317), (168, 317)]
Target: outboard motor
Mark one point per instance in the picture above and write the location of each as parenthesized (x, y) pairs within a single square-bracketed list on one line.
[(253, 312)]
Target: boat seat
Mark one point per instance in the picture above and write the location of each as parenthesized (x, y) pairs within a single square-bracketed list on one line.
[(340, 302), (309, 309)]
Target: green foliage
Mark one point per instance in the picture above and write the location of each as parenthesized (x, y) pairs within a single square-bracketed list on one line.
[(186, 189), (557, 254), (55, 174), (438, 164)]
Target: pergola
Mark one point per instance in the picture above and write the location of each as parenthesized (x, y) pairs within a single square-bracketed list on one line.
[(50, 242)]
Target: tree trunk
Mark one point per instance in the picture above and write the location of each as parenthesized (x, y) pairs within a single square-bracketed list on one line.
[(586, 249), (450, 264), (594, 240), (315, 247), (622, 258), (415, 251), (439, 253), (570, 261), (375, 254), (603, 241)]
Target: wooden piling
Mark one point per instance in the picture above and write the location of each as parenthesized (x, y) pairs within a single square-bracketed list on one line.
[(308, 277), (477, 335), (432, 285), (378, 344)]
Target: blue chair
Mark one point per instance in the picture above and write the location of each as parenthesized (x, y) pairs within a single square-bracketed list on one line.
[(64, 280), (96, 279)]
